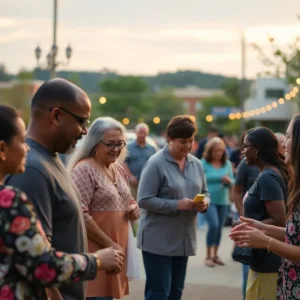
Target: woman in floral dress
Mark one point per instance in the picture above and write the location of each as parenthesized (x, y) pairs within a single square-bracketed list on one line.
[(106, 200), (284, 242), (28, 264)]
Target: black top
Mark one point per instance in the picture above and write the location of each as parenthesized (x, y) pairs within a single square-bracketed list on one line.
[(246, 176), (268, 186)]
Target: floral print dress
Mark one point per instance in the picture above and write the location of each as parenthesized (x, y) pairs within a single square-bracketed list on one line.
[(27, 262), (288, 286)]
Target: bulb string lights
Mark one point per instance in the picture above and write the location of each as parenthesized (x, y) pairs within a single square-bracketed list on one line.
[(263, 109)]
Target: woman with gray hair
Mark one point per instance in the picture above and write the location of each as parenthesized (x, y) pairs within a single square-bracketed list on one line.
[(106, 200)]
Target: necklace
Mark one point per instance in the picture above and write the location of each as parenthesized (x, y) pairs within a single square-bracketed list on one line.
[(113, 179)]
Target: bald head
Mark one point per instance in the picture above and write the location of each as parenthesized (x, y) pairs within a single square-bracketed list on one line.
[(60, 115), (57, 92)]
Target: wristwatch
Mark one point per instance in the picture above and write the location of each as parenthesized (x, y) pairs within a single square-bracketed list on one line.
[(98, 261)]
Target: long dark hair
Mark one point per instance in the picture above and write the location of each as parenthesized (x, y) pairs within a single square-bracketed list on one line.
[(8, 116), (268, 148), (294, 186)]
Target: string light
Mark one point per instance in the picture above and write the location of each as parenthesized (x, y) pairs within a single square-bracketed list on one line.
[(102, 100), (156, 120), (126, 121), (209, 118), (193, 118)]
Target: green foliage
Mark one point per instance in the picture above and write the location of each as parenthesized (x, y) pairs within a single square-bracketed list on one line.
[(18, 97), (207, 105), (165, 106), (25, 74), (128, 97), (125, 97), (89, 81), (4, 76)]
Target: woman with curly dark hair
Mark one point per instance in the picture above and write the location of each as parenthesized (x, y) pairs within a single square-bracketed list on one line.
[(265, 202)]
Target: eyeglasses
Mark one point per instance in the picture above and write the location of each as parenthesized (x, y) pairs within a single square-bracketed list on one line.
[(112, 146), (245, 146), (83, 122)]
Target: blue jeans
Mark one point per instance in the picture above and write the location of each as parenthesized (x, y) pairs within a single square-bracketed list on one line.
[(99, 298), (245, 279), (201, 220), (216, 216), (165, 276)]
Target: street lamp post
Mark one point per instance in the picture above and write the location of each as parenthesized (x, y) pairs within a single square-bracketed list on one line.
[(52, 62)]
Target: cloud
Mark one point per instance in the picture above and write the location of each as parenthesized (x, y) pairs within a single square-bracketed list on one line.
[(16, 35), (7, 23)]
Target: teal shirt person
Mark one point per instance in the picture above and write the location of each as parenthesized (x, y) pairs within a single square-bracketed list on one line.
[(219, 192)]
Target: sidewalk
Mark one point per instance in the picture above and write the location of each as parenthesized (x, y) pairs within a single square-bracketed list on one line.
[(202, 283)]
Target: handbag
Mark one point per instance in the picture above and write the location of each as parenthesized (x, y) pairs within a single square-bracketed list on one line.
[(133, 269), (243, 255)]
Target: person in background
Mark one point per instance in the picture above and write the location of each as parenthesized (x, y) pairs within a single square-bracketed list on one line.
[(60, 114), (219, 176), (28, 262), (283, 242), (167, 230), (212, 132), (265, 202), (106, 200), (281, 138), (139, 152), (245, 177)]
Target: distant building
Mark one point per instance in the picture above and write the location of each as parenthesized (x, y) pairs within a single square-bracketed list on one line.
[(265, 91), (192, 96)]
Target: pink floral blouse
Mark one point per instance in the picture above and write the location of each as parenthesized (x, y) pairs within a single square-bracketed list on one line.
[(27, 262)]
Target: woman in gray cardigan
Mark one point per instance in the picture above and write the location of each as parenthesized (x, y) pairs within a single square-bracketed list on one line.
[(167, 230)]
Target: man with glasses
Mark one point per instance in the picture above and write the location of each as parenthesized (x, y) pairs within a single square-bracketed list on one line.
[(60, 114)]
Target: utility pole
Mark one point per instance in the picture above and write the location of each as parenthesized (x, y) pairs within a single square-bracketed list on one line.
[(54, 45), (243, 81)]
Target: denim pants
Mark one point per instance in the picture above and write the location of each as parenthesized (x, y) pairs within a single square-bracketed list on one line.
[(215, 216), (165, 276), (245, 278)]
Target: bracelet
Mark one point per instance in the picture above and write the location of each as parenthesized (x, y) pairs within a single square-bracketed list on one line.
[(98, 261), (271, 239)]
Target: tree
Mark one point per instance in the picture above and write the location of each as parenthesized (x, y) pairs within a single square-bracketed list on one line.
[(25, 75), (219, 122), (125, 97), (4, 76), (281, 63), (18, 97), (163, 105), (74, 78)]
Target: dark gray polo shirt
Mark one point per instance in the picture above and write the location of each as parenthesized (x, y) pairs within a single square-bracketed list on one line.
[(164, 230), (56, 199), (137, 157)]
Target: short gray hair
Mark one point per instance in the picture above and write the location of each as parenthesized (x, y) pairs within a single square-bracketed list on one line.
[(141, 125), (96, 134)]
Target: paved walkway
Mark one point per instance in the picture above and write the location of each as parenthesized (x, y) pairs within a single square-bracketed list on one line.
[(202, 283)]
